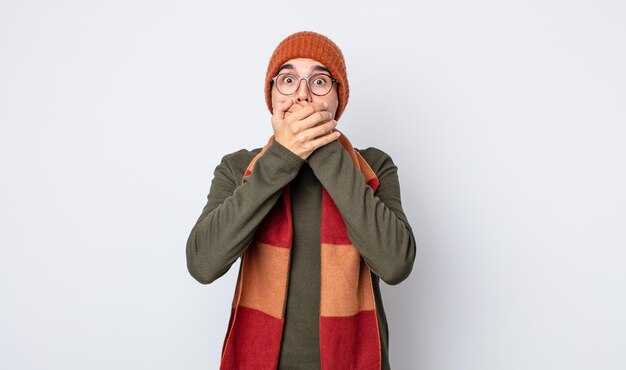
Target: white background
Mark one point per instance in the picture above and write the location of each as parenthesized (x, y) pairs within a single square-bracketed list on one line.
[(506, 121)]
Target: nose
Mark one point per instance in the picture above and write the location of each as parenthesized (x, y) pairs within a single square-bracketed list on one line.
[(303, 94)]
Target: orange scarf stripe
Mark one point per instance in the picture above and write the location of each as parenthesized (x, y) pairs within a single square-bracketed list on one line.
[(349, 335)]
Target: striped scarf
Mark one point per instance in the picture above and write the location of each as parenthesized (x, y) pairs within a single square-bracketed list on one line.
[(348, 324)]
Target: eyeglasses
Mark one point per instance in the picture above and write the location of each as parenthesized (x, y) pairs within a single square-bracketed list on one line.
[(289, 83)]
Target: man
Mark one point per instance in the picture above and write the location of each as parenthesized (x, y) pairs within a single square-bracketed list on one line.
[(315, 221)]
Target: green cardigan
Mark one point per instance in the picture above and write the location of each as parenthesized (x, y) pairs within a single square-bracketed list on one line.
[(376, 225)]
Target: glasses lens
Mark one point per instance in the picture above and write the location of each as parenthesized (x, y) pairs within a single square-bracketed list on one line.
[(287, 83), (320, 84)]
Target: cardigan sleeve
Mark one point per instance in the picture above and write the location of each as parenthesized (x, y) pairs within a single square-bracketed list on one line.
[(375, 222), (234, 210)]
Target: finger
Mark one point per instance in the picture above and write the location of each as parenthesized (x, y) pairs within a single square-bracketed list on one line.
[(292, 109), (325, 139), (308, 110), (315, 119), (295, 107), (315, 132), (279, 109)]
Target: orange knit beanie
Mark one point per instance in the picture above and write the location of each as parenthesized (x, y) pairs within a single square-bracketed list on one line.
[(310, 45)]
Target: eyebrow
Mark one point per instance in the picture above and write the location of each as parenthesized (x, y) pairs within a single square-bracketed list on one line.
[(317, 68)]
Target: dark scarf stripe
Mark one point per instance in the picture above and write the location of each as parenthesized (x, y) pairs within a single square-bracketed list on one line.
[(349, 337)]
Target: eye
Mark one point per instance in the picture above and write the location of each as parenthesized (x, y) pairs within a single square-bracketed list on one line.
[(321, 80), (288, 79)]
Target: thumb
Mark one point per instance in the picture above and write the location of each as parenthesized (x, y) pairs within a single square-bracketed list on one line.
[(280, 108)]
